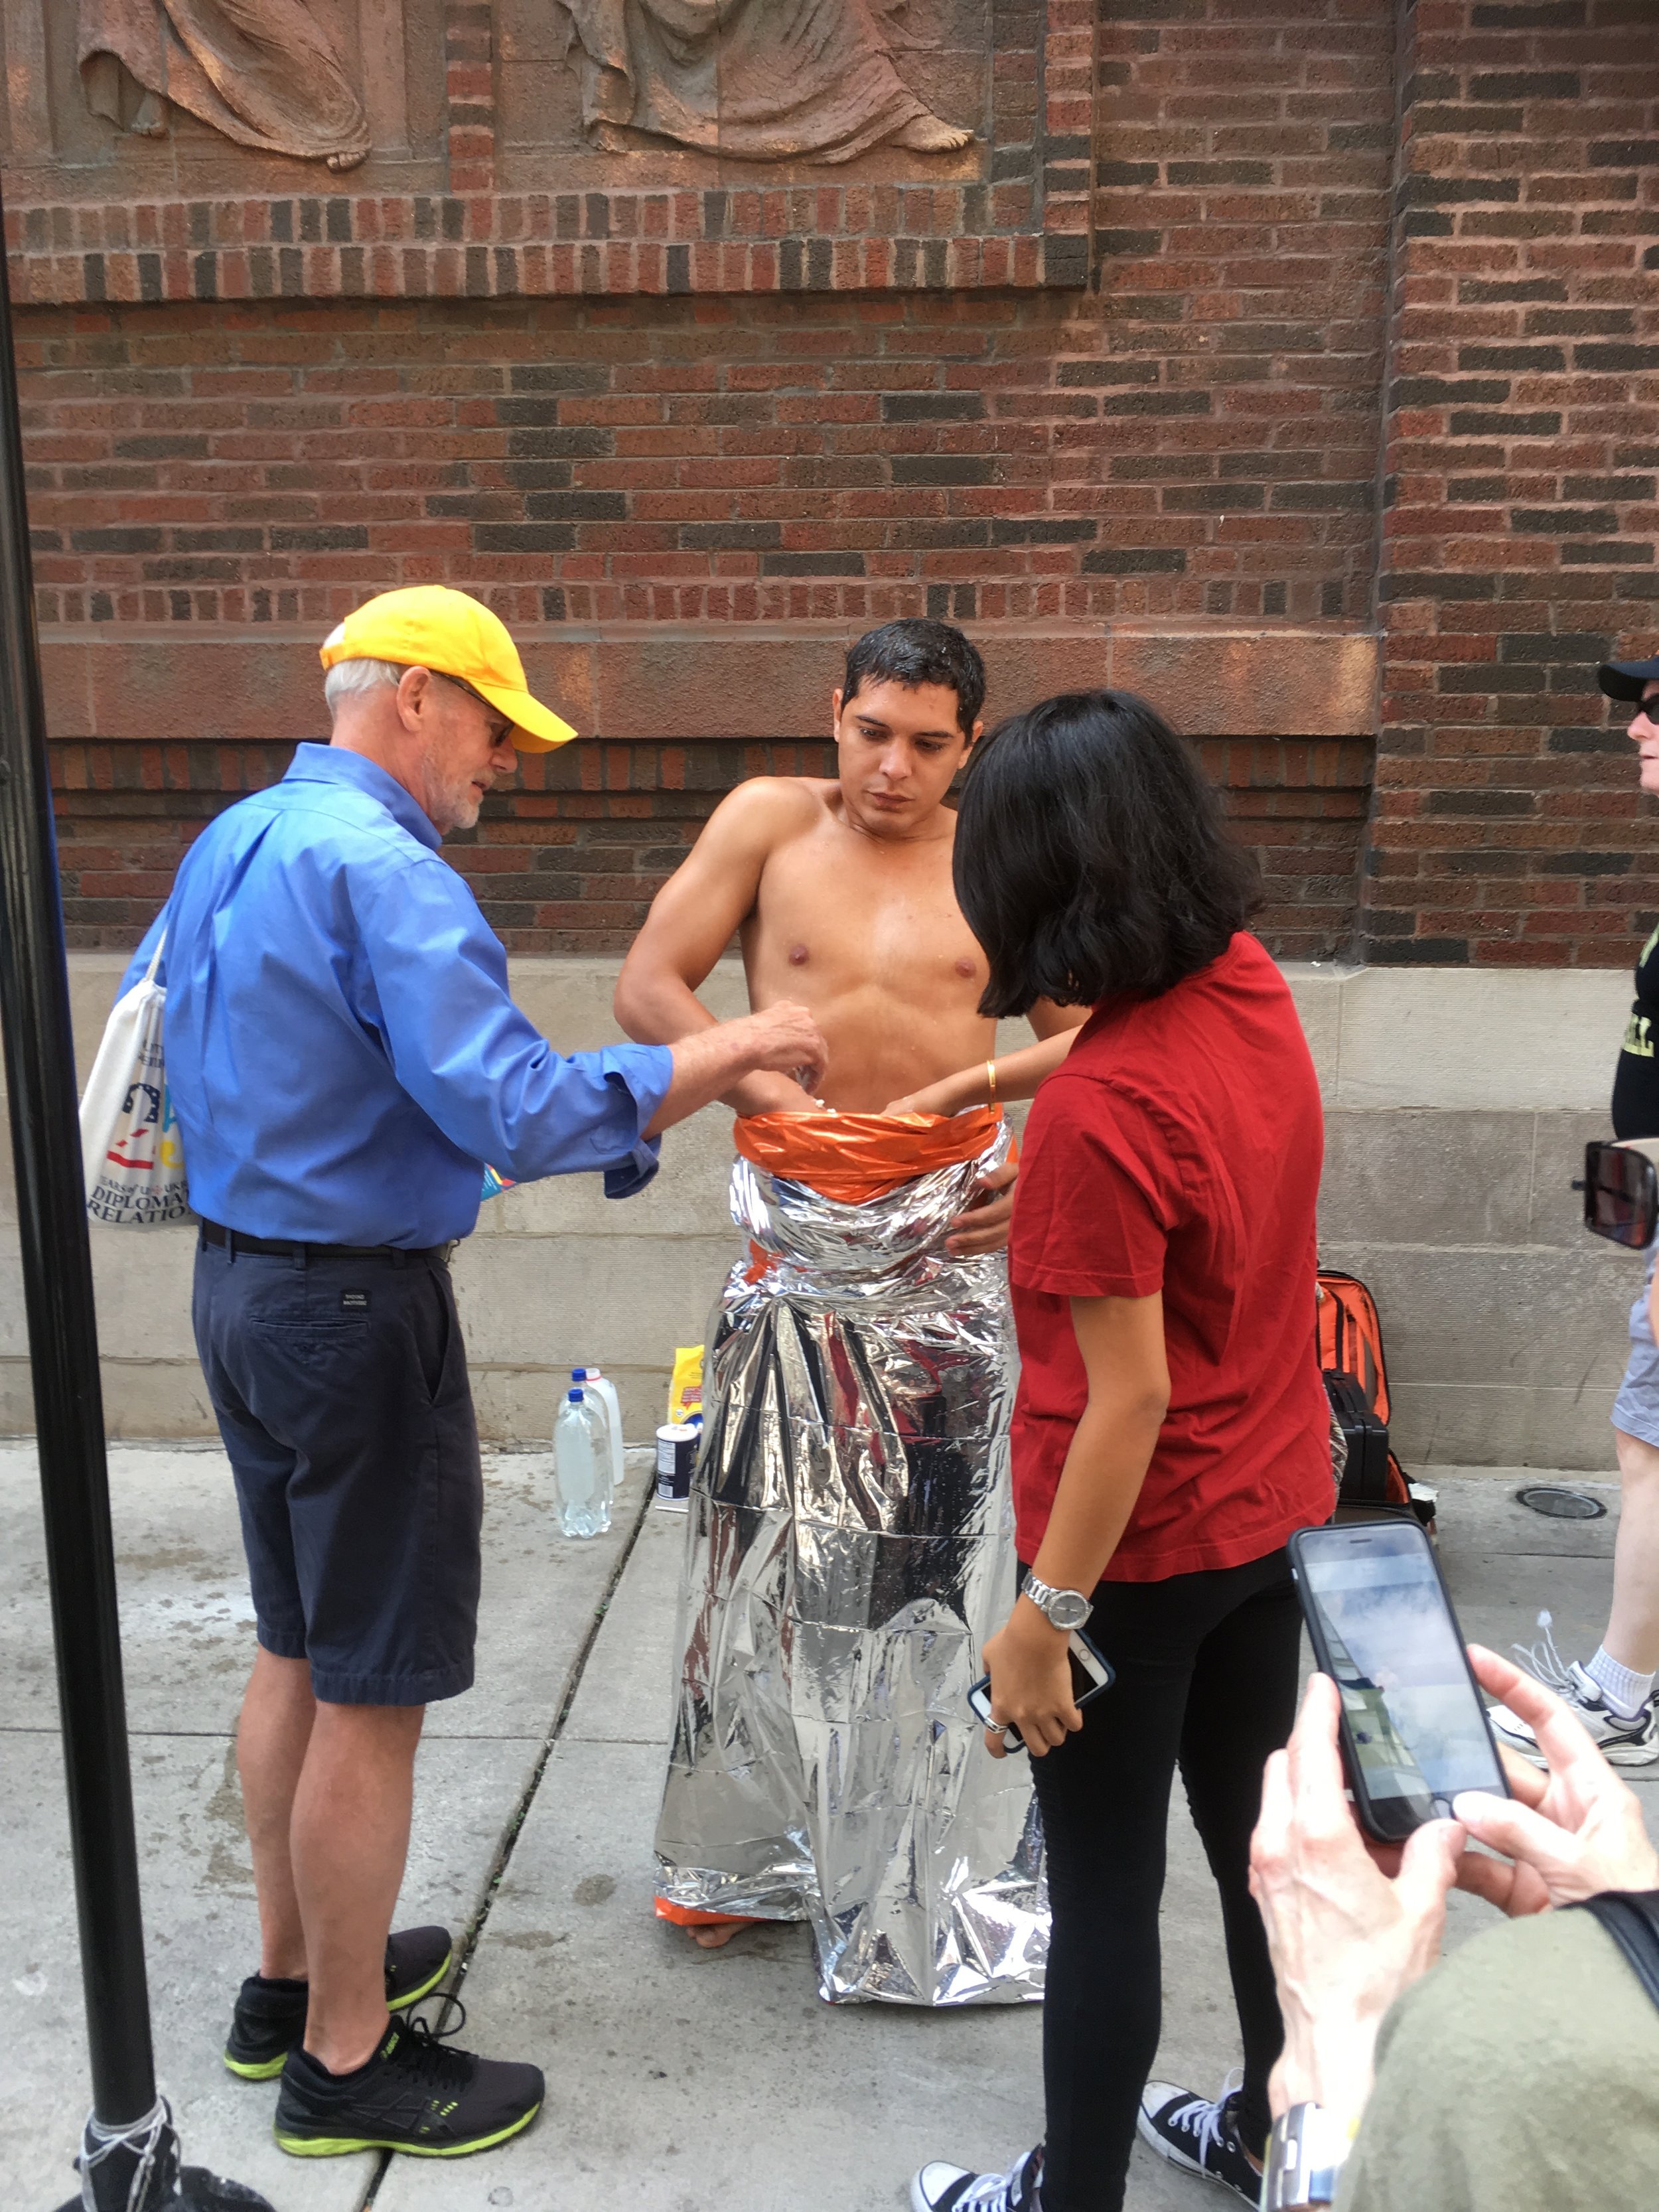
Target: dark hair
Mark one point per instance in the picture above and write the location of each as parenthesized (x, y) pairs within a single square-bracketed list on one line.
[(919, 651), (1092, 855)]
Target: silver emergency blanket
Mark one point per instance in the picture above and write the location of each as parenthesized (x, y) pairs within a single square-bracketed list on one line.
[(850, 1547)]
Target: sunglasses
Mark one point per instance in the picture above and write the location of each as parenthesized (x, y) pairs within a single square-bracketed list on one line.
[(1621, 1190), (500, 729)]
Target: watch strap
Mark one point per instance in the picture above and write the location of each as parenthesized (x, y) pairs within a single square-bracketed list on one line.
[(1041, 1594), (1306, 2153)]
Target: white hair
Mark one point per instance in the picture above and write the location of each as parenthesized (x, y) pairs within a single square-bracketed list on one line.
[(348, 678)]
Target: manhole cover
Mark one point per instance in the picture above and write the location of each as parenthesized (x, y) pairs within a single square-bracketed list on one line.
[(1560, 1505)]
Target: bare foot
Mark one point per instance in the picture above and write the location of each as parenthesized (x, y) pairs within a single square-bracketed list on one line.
[(928, 135), (338, 161), (716, 1939)]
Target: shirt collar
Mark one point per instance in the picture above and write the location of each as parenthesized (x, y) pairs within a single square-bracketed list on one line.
[(320, 763)]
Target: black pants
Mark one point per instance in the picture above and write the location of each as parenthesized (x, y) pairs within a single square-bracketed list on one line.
[(1206, 1677)]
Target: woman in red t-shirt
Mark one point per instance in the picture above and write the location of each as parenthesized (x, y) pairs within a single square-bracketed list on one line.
[(1170, 1428)]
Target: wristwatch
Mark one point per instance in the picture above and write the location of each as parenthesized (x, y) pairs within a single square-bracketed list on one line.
[(1062, 1608), (1306, 2153)]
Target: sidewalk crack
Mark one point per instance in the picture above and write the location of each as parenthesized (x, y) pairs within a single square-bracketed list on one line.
[(455, 1981)]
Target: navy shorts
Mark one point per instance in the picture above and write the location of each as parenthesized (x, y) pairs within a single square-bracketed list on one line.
[(341, 1394)]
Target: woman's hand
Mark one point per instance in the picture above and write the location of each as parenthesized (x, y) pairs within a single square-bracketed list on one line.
[(1566, 1834), (984, 1227), (1030, 1681), (1346, 1939)]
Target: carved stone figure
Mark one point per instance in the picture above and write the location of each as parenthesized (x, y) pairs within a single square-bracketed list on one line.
[(263, 71), (759, 80)]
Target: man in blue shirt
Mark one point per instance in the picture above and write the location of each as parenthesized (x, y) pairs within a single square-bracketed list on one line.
[(344, 1057)]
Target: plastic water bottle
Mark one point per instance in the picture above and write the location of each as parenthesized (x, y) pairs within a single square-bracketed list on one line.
[(581, 1466), (592, 1380)]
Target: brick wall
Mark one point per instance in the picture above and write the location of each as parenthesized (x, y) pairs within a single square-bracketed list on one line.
[(1523, 443), (1196, 437), (570, 860), (1367, 341)]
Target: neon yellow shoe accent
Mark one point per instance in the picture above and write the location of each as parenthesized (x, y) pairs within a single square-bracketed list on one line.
[(343, 2146), (258, 2070), (267, 2069), (414, 1996)]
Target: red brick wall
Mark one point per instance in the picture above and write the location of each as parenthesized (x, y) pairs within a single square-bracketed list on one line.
[(569, 861), (1523, 443), (1198, 437), (1368, 340)]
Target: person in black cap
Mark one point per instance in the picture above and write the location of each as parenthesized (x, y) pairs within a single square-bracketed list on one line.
[(1613, 1692)]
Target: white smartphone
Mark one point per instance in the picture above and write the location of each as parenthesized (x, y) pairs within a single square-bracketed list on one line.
[(1091, 1674)]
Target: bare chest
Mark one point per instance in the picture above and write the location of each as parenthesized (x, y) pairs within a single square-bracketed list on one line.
[(836, 916)]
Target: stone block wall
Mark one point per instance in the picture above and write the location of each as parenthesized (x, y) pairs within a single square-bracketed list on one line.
[(1456, 1108)]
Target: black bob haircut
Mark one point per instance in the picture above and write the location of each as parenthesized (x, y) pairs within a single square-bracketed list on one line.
[(1092, 856), (919, 651)]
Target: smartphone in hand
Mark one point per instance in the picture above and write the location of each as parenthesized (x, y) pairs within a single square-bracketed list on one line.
[(1414, 1729), (1091, 1674)]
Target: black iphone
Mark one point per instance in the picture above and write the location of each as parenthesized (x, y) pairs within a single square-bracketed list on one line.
[(1091, 1674), (1415, 1731)]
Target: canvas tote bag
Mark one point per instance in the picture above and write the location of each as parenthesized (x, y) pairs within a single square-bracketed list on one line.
[(130, 1148)]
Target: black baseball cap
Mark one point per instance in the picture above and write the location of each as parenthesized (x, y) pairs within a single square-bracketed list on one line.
[(1627, 679)]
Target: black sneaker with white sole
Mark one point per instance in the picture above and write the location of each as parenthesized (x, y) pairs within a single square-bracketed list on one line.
[(1200, 2133), (941, 2188), (270, 2019), (417, 2095)]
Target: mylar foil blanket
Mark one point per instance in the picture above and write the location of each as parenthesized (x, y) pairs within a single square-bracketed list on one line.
[(850, 1547)]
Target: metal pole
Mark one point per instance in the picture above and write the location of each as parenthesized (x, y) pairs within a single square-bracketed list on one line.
[(63, 1326), (68, 1409)]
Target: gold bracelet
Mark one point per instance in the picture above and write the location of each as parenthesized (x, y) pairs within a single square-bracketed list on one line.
[(991, 1081)]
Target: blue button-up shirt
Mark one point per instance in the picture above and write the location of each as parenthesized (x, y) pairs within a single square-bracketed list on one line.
[(342, 1051)]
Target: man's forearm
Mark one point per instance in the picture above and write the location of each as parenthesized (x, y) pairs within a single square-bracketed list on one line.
[(717, 1063), (665, 1010)]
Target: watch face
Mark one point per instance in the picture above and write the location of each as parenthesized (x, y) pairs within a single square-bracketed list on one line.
[(1067, 1609)]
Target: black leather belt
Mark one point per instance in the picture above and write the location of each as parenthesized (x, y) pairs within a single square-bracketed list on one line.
[(279, 1248)]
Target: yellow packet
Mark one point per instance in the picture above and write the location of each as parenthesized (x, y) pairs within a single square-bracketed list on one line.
[(685, 1390)]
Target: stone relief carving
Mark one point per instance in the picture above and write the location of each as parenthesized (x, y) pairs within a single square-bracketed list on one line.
[(262, 71), (757, 80)]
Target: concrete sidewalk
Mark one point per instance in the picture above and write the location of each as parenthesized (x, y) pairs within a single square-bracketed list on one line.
[(678, 2080)]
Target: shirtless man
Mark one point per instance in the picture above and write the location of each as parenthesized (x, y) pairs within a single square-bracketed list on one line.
[(840, 891)]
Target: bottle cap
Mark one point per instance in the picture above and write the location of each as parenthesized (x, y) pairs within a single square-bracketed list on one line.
[(575, 1397)]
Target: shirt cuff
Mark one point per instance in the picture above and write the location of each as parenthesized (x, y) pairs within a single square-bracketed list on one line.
[(644, 1071)]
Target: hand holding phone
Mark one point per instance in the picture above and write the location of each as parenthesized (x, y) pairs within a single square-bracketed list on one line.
[(1091, 1674), (1412, 1728), (1572, 1829)]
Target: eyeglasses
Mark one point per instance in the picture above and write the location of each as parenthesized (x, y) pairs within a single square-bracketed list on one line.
[(501, 730)]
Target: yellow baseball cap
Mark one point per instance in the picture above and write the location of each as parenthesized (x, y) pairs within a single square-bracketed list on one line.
[(430, 626)]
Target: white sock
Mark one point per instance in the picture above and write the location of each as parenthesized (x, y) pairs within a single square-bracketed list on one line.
[(1625, 1691)]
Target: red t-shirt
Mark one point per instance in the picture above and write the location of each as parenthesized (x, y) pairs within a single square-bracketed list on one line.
[(1178, 1149)]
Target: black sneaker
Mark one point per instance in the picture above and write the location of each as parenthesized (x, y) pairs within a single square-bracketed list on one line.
[(939, 2187), (1200, 2133), (415, 2095), (270, 2016)]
